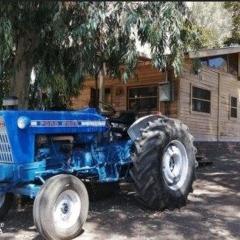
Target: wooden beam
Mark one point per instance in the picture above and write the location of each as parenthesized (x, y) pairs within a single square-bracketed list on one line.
[(213, 52)]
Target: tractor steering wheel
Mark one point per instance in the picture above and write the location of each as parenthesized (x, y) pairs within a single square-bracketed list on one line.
[(107, 109)]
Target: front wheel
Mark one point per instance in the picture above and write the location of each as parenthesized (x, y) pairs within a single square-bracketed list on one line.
[(61, 208)]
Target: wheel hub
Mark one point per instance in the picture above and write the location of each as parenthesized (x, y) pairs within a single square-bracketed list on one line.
[(67, 209), (171, 164), (175, 164)]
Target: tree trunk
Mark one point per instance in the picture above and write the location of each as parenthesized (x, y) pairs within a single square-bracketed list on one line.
[(101, 89), (101, 75), (19, 82), (96, 97)]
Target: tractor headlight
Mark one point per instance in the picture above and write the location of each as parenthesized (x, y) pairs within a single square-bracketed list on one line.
[(23, 122)]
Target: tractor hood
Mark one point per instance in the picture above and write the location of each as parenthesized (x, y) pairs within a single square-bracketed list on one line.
[(20, 127)]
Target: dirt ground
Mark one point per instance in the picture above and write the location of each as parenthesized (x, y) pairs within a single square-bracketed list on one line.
[(212, 212)]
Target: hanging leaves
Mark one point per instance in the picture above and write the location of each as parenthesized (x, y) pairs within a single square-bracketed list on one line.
[(69, 40)]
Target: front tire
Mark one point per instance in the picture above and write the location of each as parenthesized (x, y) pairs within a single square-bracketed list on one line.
[(61, 208), (164, 164)]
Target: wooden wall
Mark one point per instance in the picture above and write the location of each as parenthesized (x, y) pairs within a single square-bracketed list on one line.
[(145, 74), (216, 126), (229, 127)]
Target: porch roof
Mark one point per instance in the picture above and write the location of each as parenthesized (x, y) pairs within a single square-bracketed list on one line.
[(214, 52), (206, 52)]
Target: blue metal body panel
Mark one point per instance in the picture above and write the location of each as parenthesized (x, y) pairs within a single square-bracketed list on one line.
[(22, 140), (24, 165)]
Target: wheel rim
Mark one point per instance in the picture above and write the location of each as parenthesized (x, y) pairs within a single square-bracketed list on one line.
[(2, 199), (175, 165), (67, 209)]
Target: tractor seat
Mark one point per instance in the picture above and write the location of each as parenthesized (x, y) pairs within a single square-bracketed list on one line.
[(126, 118), (121, 124)]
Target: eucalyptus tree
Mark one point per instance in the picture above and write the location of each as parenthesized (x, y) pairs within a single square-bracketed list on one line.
[(115, 27), (234, 10), (37, 35), (66, 41), (213, 21)]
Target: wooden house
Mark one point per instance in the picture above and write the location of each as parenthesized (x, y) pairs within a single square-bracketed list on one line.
[(205, 96)]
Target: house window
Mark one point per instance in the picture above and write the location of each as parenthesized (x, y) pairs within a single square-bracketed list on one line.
[(201, 100), (233, 107), (227, 63), (143, 99), (218, 62)]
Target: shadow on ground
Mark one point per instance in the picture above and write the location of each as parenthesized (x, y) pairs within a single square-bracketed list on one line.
[(212, 212)]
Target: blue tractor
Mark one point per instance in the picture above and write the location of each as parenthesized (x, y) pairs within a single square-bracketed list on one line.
[(51, 156)]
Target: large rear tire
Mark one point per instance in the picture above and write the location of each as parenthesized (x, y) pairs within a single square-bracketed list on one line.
[(61, 208), (164, 164)]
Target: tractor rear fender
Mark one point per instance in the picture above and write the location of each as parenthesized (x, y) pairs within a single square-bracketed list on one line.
[(134, 130)]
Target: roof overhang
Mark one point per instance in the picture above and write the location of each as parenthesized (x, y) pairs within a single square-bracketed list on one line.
[(214, 52), (144, 56)]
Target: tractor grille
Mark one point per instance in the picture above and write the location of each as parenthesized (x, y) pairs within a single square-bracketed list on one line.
[(5, 147)]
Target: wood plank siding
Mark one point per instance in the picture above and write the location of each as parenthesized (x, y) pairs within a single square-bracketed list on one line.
[(218, 125), (215, 124), (145, 75)]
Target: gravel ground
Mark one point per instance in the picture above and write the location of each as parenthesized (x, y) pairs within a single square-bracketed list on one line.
[(212, 212)]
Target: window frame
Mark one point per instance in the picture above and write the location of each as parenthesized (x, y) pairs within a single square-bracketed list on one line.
[(231, 107), (227, 56), (191, 100), (143, 86)]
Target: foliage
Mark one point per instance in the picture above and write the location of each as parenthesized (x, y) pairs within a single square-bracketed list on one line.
[(38, 26), (212, 21), (66, 41), (114, 27), (234, 9)]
